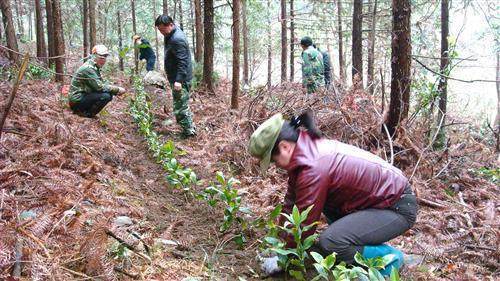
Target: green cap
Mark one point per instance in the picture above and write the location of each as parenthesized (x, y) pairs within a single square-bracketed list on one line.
[(263, 139)]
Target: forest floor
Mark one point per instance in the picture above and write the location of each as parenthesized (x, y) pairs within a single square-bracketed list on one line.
[(69, 184)]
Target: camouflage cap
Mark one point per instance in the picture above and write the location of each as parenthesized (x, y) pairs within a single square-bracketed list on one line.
[(263, 139)]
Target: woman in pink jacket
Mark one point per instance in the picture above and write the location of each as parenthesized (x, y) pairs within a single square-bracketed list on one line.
[(366, 200)]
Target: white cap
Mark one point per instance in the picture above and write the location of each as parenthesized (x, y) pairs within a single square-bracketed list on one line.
[(100, 50)]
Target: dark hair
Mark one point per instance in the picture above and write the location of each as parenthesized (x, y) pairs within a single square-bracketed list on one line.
[(290, 130), (306, 41), (163, 19)]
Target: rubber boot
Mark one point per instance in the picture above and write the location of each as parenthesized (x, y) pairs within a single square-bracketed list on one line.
[(381, 251)]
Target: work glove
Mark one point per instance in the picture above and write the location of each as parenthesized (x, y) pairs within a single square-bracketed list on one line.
[(177, 86), (121, 90), (269, 266)]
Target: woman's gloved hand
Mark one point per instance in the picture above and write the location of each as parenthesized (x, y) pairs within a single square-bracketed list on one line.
[(269, 266)]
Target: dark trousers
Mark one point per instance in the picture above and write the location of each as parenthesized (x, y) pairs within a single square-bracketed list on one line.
[(349, 234), (150, 63), (91, 104)]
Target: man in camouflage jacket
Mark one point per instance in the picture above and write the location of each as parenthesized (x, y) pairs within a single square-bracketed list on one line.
[(312, 66), (88, 93)]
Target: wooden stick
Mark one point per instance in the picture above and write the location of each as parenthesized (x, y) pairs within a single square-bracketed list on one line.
[(20, 75), (127, 245), (430, 203), (133, 276)]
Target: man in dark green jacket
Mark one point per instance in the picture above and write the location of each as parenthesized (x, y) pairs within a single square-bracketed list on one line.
[(145, 52), (88, 93), (179, 71)]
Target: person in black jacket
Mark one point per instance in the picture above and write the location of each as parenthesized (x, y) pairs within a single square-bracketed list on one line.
[(145, 52), (327, 67), (179, 71)]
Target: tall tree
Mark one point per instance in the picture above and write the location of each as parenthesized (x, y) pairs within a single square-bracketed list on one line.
[(371, 50), (58, 40), (120, 39), (284, 42), (165, 7), (357, 42), (497, 118), (198, 54), (19, 13), (85, 27), (156, 38), (208, 44), (10, 32), (1, 31), (269, 47), (41, 47), (181, 20), (50, 31), (245, 42), (134, 30), (443, 81), (342, 67), (400, 64), (236, 54), (92, 23), (292, 41), (192, 25)]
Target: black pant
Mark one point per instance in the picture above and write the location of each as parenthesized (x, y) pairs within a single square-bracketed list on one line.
[(91, 104), (150, 63), (347, 235)]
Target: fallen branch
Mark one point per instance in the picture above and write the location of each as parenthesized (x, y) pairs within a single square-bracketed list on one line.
[(20, 75), (127, 245), (430, 203), (133, 276), (77, 273)]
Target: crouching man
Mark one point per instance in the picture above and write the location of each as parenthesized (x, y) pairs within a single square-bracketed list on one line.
[(88, 93)]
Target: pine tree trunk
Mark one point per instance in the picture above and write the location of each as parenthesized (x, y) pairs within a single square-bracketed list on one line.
[(443, 81), (245, 43), (120, 39), (92, 23), (191, 24), (17, 7), (497, 118), (165, 7), (342, 67), (208, 57), (41, 47), (357, 43), (58, 40), (284, 42), (400, 64), (156, 38), (199, 31), (292, 41), (134, 30), (10, 32), (181, 19), (371, 51), (50, 31), (1, 31), (85, 25), (269, 47), (236, 55)]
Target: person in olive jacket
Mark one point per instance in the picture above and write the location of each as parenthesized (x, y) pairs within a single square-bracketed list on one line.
[(89, 93), (179, 71), (366, 200)]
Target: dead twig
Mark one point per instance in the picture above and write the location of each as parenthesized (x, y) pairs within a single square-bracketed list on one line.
[(430, 203), (20, 75), (133, 276), (127, 245)]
